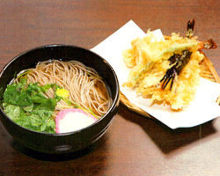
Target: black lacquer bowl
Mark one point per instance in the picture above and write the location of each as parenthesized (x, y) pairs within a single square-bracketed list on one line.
[(66, 142)]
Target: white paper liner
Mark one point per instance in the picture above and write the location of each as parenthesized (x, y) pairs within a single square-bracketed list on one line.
[(202, 109)]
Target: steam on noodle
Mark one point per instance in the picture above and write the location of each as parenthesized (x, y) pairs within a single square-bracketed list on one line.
[(86, 88)]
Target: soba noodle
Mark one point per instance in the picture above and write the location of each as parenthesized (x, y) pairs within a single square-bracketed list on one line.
[(86, 88)]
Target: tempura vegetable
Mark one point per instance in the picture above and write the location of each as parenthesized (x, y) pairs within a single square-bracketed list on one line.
[(166, 71)]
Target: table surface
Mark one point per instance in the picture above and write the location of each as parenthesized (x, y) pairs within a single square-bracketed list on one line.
[(133, 145)]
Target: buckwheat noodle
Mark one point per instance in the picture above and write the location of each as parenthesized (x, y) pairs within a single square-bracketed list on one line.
[(85, 86)]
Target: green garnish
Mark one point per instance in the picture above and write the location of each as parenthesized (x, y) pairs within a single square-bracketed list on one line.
[(29, 107)]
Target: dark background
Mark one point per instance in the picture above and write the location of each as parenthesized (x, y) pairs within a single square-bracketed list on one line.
[(134, 145)]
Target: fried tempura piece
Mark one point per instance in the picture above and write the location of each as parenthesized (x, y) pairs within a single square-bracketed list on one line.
[(149, 62)]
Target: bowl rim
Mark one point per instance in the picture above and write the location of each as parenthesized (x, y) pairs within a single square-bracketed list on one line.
[(114, 102)]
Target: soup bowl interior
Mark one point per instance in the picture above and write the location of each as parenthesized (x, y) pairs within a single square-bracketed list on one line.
[(64, 142)]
